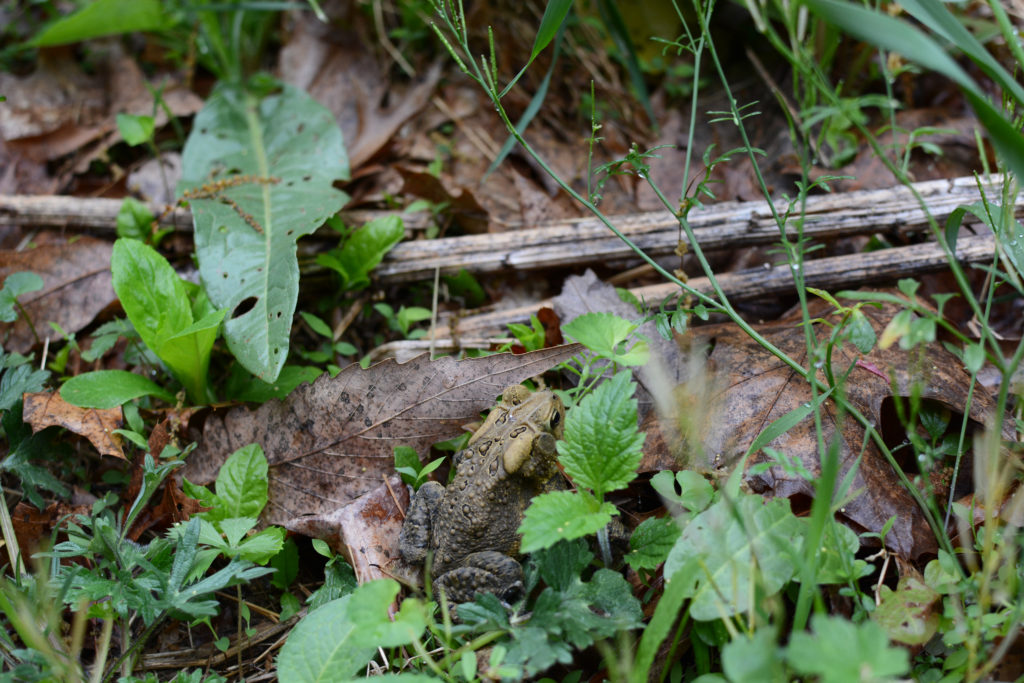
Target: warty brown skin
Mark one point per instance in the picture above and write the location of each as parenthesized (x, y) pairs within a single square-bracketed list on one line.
[(470, 525)]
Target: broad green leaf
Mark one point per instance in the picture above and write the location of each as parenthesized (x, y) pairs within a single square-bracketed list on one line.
[(911, 613), (337, 640), (685, 487), (134, 219), (753, 660), (840, 651), (602, 447), (735, 543), (241, 484), (104, 18), (562, 515), (110, 388), (562, 565), (150, 291), (134, 128), (862, 334), (363, 251), (259, 172), (605, 334), (15, 285), (187, 353), (837, 556), (651, 542)]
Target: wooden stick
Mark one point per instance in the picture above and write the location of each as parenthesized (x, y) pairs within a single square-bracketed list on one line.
[(834, 273)]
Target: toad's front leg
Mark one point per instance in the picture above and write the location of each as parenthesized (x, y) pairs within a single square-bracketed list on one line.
[(417, 530)]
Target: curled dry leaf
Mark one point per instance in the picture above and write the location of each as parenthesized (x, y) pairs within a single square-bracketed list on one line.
[(48, 409), (331, 441), (76, 287), (746, 389), (365, 531)]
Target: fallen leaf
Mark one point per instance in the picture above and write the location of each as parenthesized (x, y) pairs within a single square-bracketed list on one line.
[(76, 287), (365, 531), (753, 388), (331, 441), (32, 526), (47, 409)]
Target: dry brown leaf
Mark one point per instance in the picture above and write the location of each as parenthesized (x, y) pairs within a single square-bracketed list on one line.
[(754, 388), (365, 531), (46, 409), (76, 287), (32, 526), (331, 441)]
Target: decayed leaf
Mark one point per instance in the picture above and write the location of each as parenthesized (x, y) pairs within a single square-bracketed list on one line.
[(48, 409), (76, 286), (752, 388), (365, 531), (333, 440)]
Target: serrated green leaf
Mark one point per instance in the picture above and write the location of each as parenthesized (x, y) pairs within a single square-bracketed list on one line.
[(104, 18), (15, 285), (735, 543), (562, 564), (840, 651), (562, 515), (262, 546), (279, 157), (602, 447), (651, 542), (605, 334), (753, 660), (241, 484), (110, 388), (19, 380), (363, 251)]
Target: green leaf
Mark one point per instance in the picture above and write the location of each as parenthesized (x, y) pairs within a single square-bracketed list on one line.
[(554, 14), (840, 651), (134, 219), (104, 18), (286, 563), (562, 564), (187, 353), (363, 251), (110, 388), (25, 449), (862, 334), (562, 515), (278, 158), (602, 447), (605, 334), (241, 485), (15, 285), (19, 380), (651, 542), (135, 129), (337, 640), (837, 557), (731, 545), (685, 487), (756, 659), (910, 614), (317, 325), (260, 547)]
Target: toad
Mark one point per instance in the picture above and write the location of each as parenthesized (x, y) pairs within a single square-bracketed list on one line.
[(470, 525)]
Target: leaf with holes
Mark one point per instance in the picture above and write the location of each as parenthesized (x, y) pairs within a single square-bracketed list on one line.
[(258, 172)]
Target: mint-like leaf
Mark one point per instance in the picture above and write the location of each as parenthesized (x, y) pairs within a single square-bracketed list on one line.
[(562, 515), (605, 334), (241, 485), (602, 447), (840, 651)]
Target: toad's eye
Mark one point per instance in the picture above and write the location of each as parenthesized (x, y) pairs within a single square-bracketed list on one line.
[(556, 418)]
